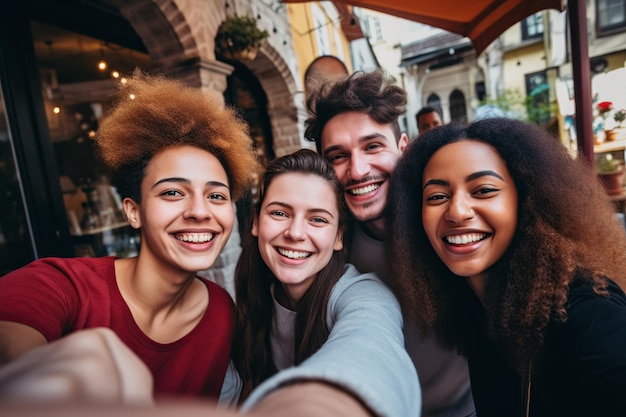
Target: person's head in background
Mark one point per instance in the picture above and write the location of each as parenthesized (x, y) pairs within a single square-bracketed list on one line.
[(427, 118), (323, 68), (484, 207), (354, 124), (296, 252), (164, 137)]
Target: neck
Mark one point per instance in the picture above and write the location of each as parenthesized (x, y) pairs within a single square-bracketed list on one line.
[(283, 297), (374, 229), (477, 284), (149, 289)]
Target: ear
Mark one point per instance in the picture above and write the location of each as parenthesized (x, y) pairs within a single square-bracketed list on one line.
[(255, 227), (403, 142), (131, 209), (339, 239)]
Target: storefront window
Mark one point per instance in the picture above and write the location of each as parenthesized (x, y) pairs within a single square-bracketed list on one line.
[(16, 247), (78, 77)]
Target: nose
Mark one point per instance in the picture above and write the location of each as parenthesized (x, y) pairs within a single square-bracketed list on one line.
[(295, 230), (359, 167), (198, 208), (459, 210)]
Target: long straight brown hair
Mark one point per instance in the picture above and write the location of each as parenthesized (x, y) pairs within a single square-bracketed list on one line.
[(251, 348)]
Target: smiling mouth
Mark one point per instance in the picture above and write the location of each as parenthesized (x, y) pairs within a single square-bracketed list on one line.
[(195, 237), (465, 239), (364, 190), (292, 254)]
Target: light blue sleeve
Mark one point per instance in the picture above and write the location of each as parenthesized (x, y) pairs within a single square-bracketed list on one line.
[(231, 388), (364, 353)]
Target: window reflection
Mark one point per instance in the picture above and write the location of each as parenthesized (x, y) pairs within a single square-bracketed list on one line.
[(79, 75), (16, 247)]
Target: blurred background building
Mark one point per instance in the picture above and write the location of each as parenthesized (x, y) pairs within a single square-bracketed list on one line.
[(60, 61)]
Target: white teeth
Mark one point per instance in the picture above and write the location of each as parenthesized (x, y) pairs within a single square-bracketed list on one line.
[(465, 239), (364, 190), (292, 254), (195, 237)]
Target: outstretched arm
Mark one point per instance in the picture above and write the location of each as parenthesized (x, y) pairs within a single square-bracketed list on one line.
[(16, 338), (364, 355), (302, 400)]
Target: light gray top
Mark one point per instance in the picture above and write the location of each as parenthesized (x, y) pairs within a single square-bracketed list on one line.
[(364, 353), (444, 374)]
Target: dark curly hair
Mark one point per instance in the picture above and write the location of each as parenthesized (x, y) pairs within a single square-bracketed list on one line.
[(567, 228), (251, 348), (164, 113), (360, 92)]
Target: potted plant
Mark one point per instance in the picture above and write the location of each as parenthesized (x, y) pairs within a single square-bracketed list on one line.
[(239, 38), (610, 172), (615, 129)]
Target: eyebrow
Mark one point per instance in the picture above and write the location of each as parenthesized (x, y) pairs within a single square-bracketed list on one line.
[(362, 139), (186, 181), (470, 177), (289, 206)]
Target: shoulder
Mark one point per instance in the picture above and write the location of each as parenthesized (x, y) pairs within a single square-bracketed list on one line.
[(217, 294), (594, 321), (363, 294), (582, 298), (353, 280), (66, 267)]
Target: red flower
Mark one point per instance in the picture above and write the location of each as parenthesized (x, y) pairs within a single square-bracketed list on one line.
[(604, 106)]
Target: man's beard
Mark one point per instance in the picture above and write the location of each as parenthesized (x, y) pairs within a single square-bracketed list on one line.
[(365, 216)]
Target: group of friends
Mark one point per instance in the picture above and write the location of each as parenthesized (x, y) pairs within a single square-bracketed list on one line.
[(477, 269)]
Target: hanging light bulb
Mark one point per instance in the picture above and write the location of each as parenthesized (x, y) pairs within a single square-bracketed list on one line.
[(56, 110)]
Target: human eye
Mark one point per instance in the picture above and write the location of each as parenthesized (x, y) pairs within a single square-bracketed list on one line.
[(336, 158), (171, 193), (319, 220), (372, 146), (436, 198), (278, 213), (217, 197), (486, 191)]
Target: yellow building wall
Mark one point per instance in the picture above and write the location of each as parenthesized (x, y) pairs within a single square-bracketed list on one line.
[(305, 34), (518, 63)]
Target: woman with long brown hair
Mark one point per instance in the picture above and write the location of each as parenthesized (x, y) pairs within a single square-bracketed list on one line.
[(302, 310)]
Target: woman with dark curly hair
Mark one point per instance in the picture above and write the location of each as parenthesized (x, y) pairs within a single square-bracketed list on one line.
[(179, 159), (510, 251)]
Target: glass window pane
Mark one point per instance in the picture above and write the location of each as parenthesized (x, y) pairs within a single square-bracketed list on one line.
[(16, 248)]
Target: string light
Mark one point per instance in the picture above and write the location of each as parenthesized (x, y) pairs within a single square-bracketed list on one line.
[(102, 65), (56, 110)]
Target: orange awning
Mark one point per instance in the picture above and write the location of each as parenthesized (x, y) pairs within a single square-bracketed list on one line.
[(480, 20), (484, 20)]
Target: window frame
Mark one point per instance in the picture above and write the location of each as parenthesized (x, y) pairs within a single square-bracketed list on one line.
[(603, 30)]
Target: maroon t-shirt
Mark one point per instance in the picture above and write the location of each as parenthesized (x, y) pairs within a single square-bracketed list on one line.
[(57, 296)]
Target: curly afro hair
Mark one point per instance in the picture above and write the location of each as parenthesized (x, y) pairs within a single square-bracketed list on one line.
[(154, 113)]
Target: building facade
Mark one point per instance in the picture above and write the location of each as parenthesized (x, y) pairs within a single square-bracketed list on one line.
[(57, 202)]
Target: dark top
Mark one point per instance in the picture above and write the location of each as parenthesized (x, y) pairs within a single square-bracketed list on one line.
[(581, 370)]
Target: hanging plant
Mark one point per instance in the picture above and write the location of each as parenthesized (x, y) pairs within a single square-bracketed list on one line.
[(239, 37)]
